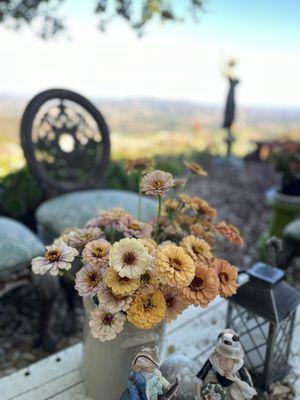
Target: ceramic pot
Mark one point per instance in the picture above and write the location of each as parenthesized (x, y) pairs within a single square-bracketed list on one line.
[(106, 365)]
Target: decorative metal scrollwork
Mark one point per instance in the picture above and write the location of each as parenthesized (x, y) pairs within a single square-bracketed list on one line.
[(65, 140)]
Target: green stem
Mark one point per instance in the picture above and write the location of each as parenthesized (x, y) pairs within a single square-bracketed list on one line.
[(68, 275), (158, 216), (186, 182)]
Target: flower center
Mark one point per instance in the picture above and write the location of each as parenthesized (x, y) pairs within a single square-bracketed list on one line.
[(196, 249), (107, 319), (157, 184), (94, 278), (145, 279), (135, 226), (123, 279), (148, 305), (128, 258), (53, 255), (175, 263), (196, 283), (99, 252), (170, 301), (223, 277)]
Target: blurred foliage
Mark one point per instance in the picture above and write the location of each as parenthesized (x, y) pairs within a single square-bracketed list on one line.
[(21, 194), (43, 15)]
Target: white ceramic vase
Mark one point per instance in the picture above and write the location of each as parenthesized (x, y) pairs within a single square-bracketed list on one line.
[(106, 365)]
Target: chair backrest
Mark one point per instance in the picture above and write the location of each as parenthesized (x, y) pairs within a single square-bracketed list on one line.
[(65, 140)]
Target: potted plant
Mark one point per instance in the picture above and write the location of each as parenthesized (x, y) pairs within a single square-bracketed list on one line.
[(134, 276), (285, 157)]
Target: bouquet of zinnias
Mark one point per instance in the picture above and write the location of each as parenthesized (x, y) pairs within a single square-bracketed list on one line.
[(146, 272)]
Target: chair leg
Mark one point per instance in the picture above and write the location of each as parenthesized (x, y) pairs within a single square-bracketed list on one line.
[(69, 325), (47, 288)]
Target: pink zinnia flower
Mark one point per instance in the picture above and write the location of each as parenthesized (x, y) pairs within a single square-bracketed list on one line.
[(157, 183), (78, 238), (96, 252), (133, 228), (110, 218), (111, 302), (105, 325), (88, 280), (57, 257)]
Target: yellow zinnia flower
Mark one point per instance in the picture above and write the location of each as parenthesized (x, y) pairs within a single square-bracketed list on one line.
[(173, 266), (120, 286), (147, 309), (196, 248)]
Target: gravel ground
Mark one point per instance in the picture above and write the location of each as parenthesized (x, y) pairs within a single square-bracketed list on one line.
[(239, 198)]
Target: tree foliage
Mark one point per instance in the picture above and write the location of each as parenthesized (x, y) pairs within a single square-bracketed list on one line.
[(43, 15)]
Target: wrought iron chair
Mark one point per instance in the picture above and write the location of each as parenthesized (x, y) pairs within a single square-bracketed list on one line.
[(66, 143), (18, 245)]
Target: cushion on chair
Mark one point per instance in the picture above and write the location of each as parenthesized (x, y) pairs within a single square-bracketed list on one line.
[(292, 231), (75, 209), (18, 245)]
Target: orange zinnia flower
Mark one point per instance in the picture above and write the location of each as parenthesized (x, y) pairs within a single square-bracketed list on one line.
[(230, 232), (203, 288)]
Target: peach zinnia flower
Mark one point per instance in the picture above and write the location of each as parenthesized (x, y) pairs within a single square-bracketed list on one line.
[(196, 248), (131, 227), (157, 183), (139, 164), (111, 302), (96, 252), (147, 309), (227, 275), (88, 280), (195, 168), (173, 266), (204, 231), (129, 258), (197, 204), (175, 302), (148, 281), (105, 325), (120, 286), (57, 257), (230, 232), (203, 288)]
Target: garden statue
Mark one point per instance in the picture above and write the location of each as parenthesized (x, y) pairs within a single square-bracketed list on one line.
[(146, 381), (224, 376), (229, 112)]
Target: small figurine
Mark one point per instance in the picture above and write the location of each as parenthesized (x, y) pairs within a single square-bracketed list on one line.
[(223, 376), (146, 381)]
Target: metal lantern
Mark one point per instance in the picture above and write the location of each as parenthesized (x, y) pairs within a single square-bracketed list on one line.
[(263, 313)]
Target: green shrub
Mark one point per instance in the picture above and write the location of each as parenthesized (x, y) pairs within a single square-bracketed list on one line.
[(20, 195)]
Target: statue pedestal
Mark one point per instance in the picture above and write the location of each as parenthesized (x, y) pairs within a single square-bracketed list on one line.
[(229, 162)]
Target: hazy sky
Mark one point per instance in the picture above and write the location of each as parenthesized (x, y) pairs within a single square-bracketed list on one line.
[(183, 61)]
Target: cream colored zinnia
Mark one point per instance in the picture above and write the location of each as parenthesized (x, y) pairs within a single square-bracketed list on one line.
[(173, 266), (129, 258)]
